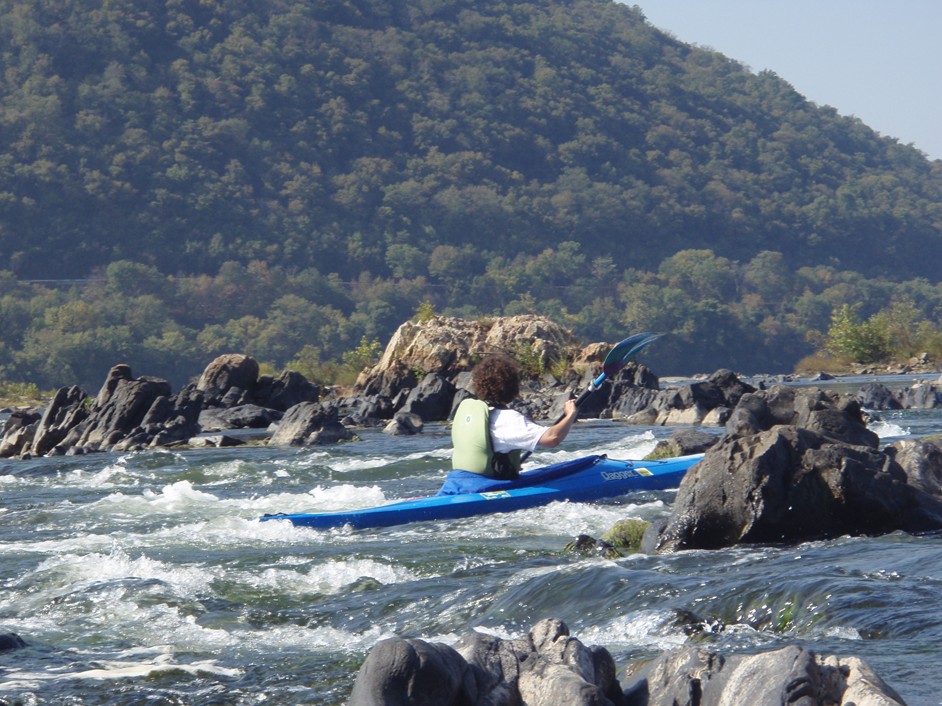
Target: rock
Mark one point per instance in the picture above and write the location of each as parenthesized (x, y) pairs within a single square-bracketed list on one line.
[(285, 391), (626, 535), (11, 641), (790, 675), (875, 395), (448, 346), (691, 404), (64, 411), (118, 412), (431, 400), (839, 417), (683, 442), (409, 672), (920, 396), (792, 484), (404, 424), (228, 371), (922, 463), (18, 433), (217, 441), (548, 667), (308, 424), (249, 416)]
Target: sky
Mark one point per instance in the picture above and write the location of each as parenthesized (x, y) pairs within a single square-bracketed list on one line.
[(877, 60)]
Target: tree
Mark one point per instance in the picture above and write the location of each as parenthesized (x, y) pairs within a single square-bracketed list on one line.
[(857, 341)]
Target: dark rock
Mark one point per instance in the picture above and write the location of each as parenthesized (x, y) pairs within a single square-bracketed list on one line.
[(249, 416), (683, 442), (627, 401), (308, 424), (285, 391), (548, 667), (11, 641), (391, 381), (875, 395), (228, 371), (431, 399), (18, 433), (792, 484), (409, 672), (65, 410), (922, 463), (404, 424), (838, 417), (118, 412)]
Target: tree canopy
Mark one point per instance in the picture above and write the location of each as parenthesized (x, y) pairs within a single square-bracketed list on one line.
[(291, 177)]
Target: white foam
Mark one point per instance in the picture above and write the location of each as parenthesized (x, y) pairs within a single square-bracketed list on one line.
[(329, 577), (885, 429)]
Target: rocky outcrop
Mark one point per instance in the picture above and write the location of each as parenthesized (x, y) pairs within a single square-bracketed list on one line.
[(546, 667), (448, 346), (309, 424), (790, 675), (225, 373), (797, 465), (549, 667), (919, 395), (128, 413)]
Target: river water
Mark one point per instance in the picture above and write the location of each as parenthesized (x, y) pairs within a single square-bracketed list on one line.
[(147, 577)]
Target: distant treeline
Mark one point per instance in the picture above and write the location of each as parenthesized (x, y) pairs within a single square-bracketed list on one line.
[(751, 317)]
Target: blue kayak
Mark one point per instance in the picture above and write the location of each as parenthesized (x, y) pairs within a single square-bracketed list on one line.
[(466, 494)]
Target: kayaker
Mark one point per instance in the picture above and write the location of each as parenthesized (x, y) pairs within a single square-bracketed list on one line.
[(488, 437)]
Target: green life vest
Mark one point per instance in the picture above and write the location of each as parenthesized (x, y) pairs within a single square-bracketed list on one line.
[(471, 442)]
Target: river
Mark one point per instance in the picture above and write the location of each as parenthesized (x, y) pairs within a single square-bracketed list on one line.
[(147, 577)]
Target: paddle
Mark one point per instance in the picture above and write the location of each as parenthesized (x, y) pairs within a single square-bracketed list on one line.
[(616, 359)]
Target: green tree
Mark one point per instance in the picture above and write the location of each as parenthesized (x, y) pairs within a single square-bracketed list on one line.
[(857, 341)]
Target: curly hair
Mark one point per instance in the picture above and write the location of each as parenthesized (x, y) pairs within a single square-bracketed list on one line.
[(496, 380)]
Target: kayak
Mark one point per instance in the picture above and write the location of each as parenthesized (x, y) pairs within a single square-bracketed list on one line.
[(467, 494)]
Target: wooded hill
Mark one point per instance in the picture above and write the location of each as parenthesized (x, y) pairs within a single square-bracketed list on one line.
[(479, 155)]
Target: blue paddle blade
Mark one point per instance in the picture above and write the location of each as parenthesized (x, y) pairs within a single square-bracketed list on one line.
[(619, 356)]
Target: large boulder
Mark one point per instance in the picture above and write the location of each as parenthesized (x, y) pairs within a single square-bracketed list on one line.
[(285, 391), (309, 424), (18, 433), (447, 346), (225, 373), (431, 399), (65, 410), (836, 416), (790, 484), (120, 408), (921, 396), (547, 667), (790, 675)]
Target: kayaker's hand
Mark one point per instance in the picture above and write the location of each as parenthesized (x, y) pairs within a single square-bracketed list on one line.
[(570, 409), (554, 436)]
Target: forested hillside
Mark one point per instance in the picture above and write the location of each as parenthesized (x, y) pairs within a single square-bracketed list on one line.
[(336, 163)]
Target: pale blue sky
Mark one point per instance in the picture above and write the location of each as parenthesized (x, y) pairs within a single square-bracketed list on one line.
[(878, 60)]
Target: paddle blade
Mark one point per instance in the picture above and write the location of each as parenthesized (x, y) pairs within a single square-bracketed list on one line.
[(619, 356)]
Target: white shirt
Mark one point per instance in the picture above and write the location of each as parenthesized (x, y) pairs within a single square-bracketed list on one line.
[(511, 430)]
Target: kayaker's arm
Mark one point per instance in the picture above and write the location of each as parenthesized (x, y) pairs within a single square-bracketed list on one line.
[(554, 436)]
